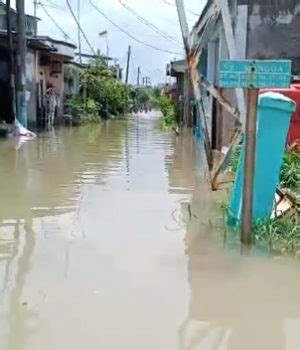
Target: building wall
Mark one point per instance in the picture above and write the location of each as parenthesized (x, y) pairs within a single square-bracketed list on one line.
[(274, 30), (5, 103), (31, 22), (31, 87), (57, 80)]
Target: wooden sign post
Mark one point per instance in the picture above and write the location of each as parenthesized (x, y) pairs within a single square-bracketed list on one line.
[(252, 75)]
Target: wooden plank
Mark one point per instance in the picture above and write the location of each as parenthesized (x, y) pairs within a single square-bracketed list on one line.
[(241, 31), (224, 162), (193, 70), (229, 35)]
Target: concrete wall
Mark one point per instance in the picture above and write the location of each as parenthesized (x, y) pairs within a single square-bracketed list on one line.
[(5, 105), (31, 87), (274, 30), (60, 48), (31, 22), (57, 80)]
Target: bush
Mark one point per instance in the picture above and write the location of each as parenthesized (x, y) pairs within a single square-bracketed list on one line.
[(281, 233), (105, 89), (168, 110), (83, 112), (290, 171)]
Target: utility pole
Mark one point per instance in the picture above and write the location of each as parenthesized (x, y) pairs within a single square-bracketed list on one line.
[(35, 8), (21, 63), (184, 26), (138, 76), (128, 63), (78, 28), (127, 75), (12, 94)]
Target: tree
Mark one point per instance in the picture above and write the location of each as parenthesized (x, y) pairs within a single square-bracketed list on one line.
[(104, 88)]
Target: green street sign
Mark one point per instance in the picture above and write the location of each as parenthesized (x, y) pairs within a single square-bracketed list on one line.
[(255, 74)]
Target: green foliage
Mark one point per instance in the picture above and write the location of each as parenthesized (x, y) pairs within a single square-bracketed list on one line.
[(168, 110), (105, 89), (290, 171), (84, 112), (235, 158), (281, 233), (156, 92), (143, 96)]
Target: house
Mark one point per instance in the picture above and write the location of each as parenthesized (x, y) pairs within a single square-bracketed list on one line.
[(31, 26), (180, 91), (241, 29), (31, 22), (45, 63), (52, 58)]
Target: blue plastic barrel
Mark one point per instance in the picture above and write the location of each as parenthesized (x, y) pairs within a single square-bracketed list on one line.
[(274, 117)]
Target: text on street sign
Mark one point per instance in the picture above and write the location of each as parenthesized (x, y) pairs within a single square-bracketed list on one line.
[(255, 74)]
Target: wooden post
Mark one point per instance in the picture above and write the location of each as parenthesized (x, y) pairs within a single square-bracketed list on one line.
[(249, 171), (193, 61)]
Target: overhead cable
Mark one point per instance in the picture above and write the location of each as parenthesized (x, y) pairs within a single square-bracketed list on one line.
[(56, 24), (80, 28), (129, 34), (188, 10), (54, 4), (150, 25)]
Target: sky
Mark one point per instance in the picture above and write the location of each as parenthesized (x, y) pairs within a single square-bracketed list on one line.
[(161, 13)]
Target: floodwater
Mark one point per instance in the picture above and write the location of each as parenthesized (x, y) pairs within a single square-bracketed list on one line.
[(110, 239)]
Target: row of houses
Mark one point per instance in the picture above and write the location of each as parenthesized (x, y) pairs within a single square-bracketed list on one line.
[(262, 29), (50, 65)]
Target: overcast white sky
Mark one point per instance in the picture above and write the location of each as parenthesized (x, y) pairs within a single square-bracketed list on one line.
[(159, 12)]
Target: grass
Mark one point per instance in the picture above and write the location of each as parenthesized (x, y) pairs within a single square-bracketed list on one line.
[(281, 234), (235, 158), (290, 171)]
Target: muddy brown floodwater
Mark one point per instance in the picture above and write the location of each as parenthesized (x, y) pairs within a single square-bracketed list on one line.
[(98, 250)]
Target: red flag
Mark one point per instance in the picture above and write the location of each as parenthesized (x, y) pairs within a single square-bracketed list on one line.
[(104, 33)]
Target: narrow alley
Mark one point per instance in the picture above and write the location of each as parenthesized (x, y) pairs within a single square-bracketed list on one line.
[(110, 239)]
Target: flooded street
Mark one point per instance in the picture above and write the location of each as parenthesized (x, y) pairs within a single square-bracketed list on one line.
[(110, 239)]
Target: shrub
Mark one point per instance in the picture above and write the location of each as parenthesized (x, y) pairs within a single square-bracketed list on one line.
[(290, 171), (105, 88), (168, 110), (83, 112), (280, 233)]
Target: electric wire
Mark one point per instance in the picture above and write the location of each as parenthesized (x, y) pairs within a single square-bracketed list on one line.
[(56, 24), (80, 28), (129, 34), (149, 24), (188, 10)]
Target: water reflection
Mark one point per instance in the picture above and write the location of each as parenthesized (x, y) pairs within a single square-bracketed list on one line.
[(107, 232), (42, 187), (237, 302)]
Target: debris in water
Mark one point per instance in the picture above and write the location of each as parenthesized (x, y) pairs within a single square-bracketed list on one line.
[(19, 130)]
